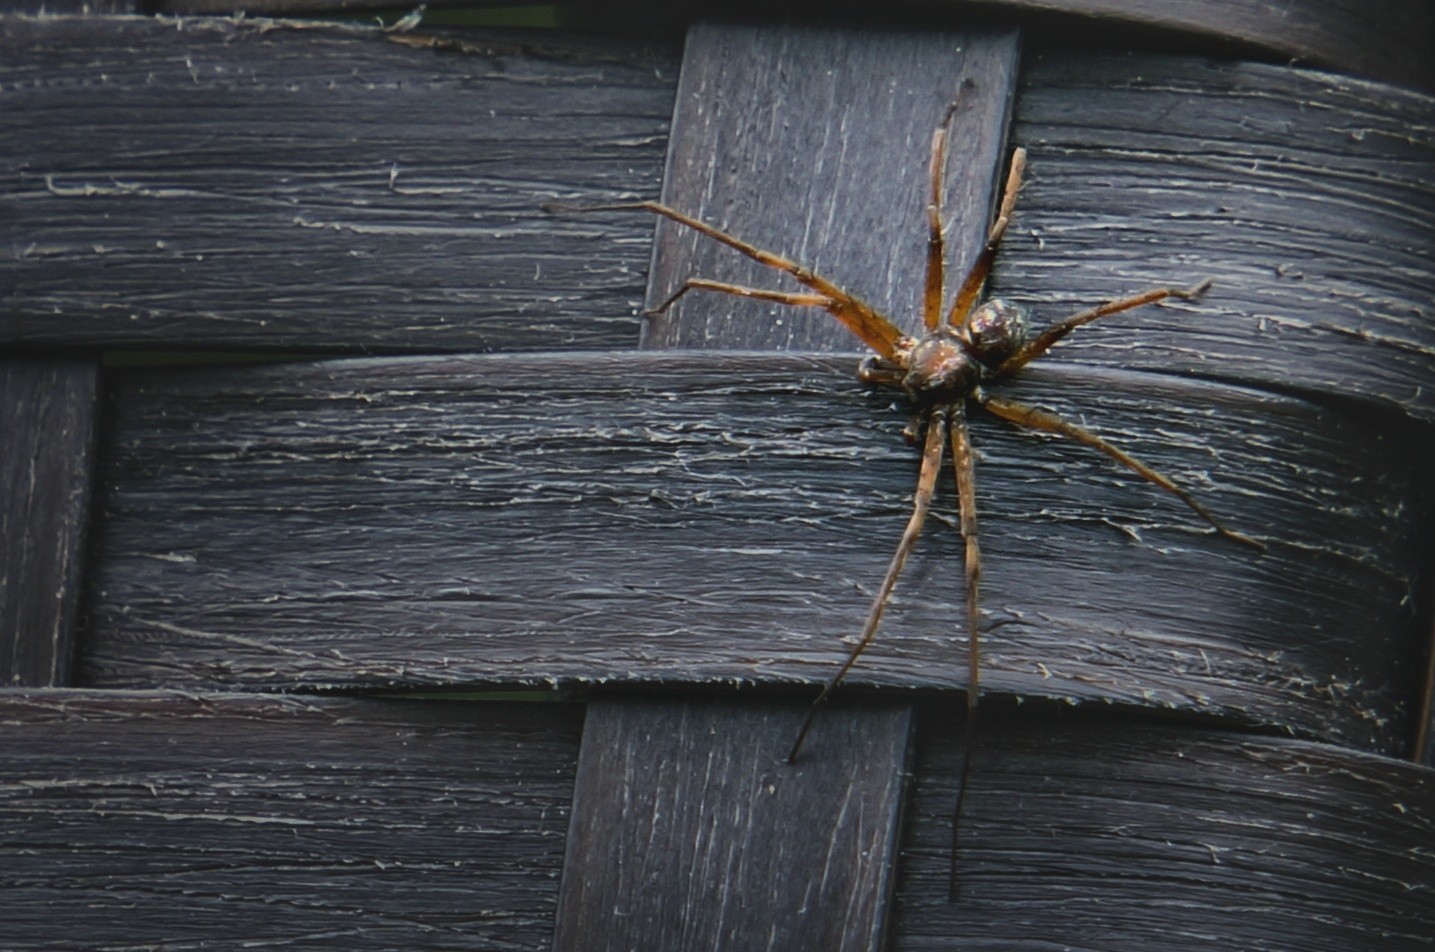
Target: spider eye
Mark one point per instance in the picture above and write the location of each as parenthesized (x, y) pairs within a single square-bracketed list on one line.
[(996, 331)]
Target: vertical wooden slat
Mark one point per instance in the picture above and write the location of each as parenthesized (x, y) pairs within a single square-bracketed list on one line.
[(692, 832), (47, 425), (814, 144), (689, 830)]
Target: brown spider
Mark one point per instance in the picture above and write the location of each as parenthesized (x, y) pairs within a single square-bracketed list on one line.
[(940, 372)]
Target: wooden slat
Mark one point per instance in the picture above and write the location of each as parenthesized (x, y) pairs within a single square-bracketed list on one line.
[(69, 7), (1307, 197), (1385, 39), (692, 831), (47, 428), (215, 183), (713, 518), (1099, 833), (188, 821)]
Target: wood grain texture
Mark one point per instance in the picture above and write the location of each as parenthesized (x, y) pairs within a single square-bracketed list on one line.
[(694, 832), (1095, 832), (216, 183), (779, 149), (47, 432), (1307, 197), (169, 820), (1384, 39), (69, 7), (676, 518)]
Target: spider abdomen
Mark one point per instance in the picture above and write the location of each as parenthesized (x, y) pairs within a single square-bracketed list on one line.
[(995, 331)]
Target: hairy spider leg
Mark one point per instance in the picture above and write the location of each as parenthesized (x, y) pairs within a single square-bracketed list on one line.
[(1047, 338), (936, 440), (855, 314), (976, 278), (1035, 419), (936, 251), (761, 294), (964, 468)]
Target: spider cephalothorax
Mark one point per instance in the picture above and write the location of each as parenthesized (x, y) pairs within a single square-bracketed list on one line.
[(942, 371), (946, 365)]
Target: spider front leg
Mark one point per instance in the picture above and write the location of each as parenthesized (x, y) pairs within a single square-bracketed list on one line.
[(1032, 418), (926, 482), (963, 465), (936, 247), (976, 278), (855, 314), (761, 294), (1045, 340)]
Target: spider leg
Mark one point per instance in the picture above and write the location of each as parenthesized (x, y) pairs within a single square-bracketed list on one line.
[(963, 464), (976, 278), (936, 254), (876, 372), (761, 294), (1033, 418), (859, 317), (1044, 341), (926, 483), (965, 470)]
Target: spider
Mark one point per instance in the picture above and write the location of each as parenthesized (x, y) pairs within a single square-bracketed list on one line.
[(941, 372)]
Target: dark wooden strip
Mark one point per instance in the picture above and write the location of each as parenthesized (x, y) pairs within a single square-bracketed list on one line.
[(1099, 833), (1384, 39), (670, 518), (812, 168), (219, 183), (47, 430), (692, 829), (69, 7), (186, 821), (1308, 197)]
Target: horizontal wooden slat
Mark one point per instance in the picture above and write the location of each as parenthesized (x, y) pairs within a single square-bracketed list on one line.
[(219, 183), (1309, 198), (724, 517), (1383, 39), (1098, 833), (184, 821)]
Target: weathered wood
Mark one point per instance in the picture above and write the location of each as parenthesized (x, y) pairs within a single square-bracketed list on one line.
[(69, 7), (831, 174), (692, 831), (674, 518), (1386, 39), (283, 185), (187, 821), (1098, 833), (1309, 198), (47, 429)]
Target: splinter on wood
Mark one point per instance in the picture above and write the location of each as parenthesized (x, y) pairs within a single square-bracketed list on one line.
[(942, 371)]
